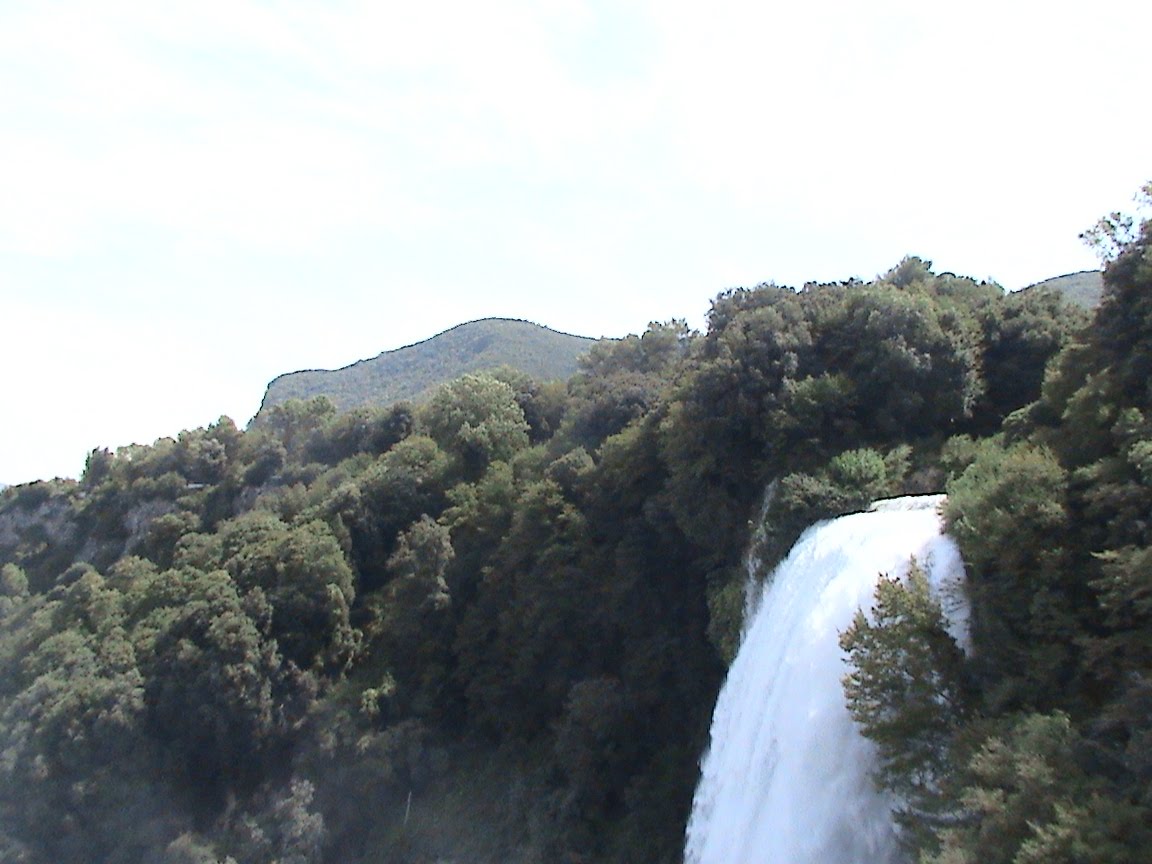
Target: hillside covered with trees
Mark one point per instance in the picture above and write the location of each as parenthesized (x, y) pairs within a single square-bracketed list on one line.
[(492, 627), (414, 372), (1081, 289)]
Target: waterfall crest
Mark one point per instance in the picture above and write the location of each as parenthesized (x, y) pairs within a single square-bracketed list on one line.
[(787, 779)]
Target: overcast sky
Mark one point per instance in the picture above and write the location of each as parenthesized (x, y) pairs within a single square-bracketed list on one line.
[(196, 197)]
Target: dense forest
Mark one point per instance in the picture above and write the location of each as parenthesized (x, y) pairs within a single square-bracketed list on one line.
[(492, 627)]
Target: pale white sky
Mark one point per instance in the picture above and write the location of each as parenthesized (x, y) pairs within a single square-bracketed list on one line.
[(196, 197)]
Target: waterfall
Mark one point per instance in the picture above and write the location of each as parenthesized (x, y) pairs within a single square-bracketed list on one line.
[(788, 778)]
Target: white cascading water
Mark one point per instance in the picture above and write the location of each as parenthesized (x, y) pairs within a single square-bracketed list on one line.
[(788, 777)]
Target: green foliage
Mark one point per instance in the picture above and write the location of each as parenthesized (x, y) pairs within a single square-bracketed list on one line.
[(1123, 330), (544, 403), (1004, 510), (412, 374), (512, 646), (71, 719), (189, 849), (479, 518), (906, 689), (1118, 233), (284, 831), (913, 362), (1021, 336), (477, 420), (39, 531), (408, 615), (13, 588), (218, 690), (622, 381), (417, 567), (397, 489), (1032, 802), (362, 430), (301, 572), (782, 382), (1124, 588), (595, 742), (657, 350), (71, 731), (1006, 490), (718, 433)]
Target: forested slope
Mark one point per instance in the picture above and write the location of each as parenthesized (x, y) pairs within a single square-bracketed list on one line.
[(413, 372), (492, 627), (1082, 289)]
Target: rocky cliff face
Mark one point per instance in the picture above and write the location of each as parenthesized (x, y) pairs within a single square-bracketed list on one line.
[(43, 530), (48, 521), (38, 530)]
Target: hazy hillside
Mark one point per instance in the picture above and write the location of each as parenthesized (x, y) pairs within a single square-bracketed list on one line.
[(1082, 289), (410, 373)]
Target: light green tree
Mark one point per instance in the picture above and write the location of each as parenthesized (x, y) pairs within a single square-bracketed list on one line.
[(477, 419), (906, 690)]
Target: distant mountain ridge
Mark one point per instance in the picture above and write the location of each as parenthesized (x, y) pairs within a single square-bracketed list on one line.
[(411, 373), (1082, 289)]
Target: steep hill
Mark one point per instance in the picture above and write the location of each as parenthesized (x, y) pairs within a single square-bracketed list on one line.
[(1083, 288), (412, 372)]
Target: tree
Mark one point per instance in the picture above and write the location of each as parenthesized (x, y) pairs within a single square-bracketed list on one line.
[(848, 483), (219, 698), (301, 573), (1117, 232), (1005, 510), (906, 689), (13, 588), (409, 612), (515, 659), (479, 518), (622, 380), (285, 831), (1033, 803), (477, 419), (543, 402), (74, 784), (911, 361), (594, 740), (719, 436), (1124, 319), (407, 482), (361, 430), (1021, 334), (294, 421)]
